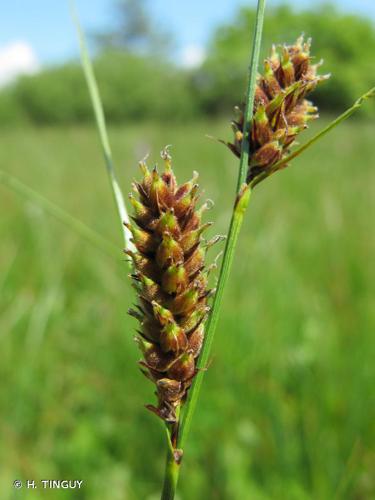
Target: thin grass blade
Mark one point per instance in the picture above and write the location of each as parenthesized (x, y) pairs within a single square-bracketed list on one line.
[(102, 129), (78, 226)]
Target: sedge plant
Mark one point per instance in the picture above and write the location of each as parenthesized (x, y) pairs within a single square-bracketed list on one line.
[(176, 309)]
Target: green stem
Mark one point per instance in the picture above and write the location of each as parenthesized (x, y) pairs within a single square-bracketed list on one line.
[(250, 93), (60, 214), (172, 469), (234, 230), (174, 456)]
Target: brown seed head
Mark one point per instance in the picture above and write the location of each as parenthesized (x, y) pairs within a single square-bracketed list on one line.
[(171, 282), (281, 110)]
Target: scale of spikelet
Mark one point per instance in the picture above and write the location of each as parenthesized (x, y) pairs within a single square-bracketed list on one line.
[(171, 282), (281, 111)]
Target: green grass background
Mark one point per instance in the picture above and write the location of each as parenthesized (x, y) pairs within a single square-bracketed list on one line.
[(286, 410)]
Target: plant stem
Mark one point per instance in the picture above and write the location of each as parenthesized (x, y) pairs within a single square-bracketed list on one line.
[(174, 456), (86, 232), (250, 93), (234, 230), (172, 469)]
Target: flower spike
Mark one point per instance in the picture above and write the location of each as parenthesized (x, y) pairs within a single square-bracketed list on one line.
[(281, 110), (171, 282)]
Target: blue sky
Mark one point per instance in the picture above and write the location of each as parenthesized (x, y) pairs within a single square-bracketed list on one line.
[(45, 25)]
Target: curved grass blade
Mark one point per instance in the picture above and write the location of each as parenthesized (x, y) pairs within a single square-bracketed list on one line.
[(102, 129), (78, 226)]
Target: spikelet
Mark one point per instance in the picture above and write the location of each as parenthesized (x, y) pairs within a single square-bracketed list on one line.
[(281, 111), (171, 280)]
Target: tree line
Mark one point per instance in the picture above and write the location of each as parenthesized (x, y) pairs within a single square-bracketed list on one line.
[(140, 80)]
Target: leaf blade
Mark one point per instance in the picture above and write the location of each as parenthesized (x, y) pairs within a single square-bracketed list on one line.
[(97, 105)]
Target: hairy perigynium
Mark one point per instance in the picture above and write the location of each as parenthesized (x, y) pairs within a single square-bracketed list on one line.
[(171, 280), (281, 111)]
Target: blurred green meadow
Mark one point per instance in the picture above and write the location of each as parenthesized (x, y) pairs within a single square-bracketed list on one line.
[(286, 411)]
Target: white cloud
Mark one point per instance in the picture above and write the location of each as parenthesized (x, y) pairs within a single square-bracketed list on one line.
[(192, 56), (17, 58)]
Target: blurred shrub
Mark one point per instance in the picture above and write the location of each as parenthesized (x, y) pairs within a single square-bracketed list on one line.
[(135, 87), (346, 42), (56, 95), (132, 88), (11, 112)]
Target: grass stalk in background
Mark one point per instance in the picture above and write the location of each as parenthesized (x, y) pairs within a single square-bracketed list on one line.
[(102, 129)]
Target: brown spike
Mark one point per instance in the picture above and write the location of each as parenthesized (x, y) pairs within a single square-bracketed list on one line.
[(171, 286), (288, 77)]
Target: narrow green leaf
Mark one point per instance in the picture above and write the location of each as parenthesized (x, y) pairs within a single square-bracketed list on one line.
[(102, 129), (78, 226)]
